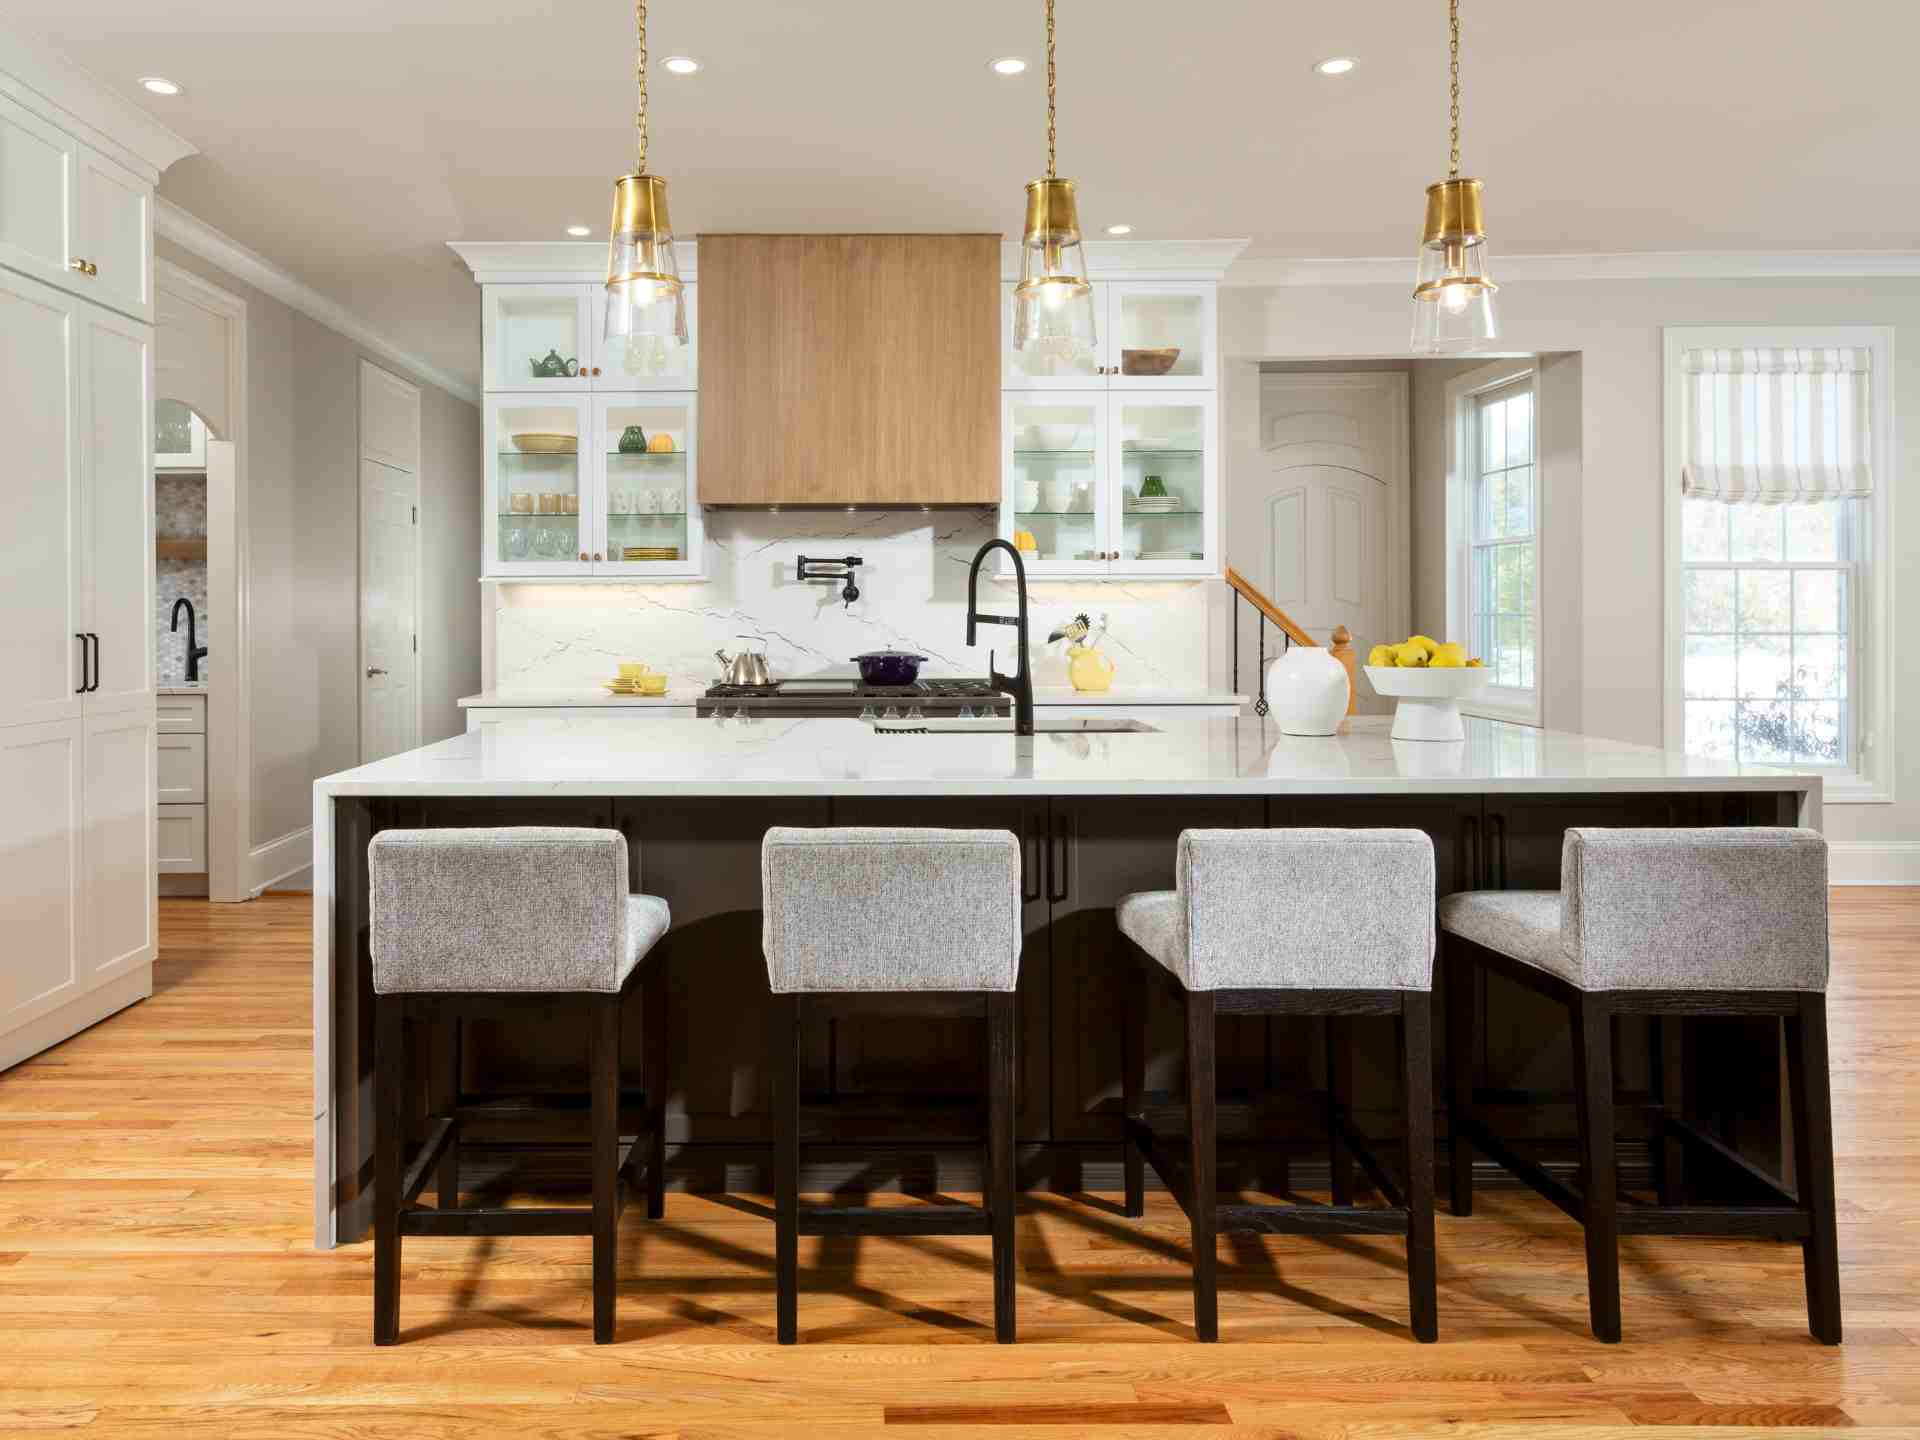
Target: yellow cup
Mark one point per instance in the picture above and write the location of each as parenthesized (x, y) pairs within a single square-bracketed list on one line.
[(633, 670), (653, 683)]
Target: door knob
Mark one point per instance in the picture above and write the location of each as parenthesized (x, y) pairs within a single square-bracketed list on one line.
[(85, 267), (373, 670)]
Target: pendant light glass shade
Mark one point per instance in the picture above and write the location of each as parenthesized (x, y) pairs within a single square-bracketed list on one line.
[(645, 300), (1453, 309), (1053, 303)]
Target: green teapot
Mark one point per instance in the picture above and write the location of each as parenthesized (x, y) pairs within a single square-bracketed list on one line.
[(554, 368)]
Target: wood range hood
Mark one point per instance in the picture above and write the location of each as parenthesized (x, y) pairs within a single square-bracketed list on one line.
[(849, 369)]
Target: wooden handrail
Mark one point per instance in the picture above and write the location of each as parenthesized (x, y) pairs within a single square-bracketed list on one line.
[(1251, 594)]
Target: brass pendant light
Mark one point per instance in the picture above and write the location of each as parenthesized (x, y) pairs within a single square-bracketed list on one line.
[(1453, 295), (1053, 303), (646, 303)]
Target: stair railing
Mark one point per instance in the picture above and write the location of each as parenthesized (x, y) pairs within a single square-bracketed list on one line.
[(1291, 634)]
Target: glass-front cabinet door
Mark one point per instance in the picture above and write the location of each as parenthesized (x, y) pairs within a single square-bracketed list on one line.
[(645, 364), (540, 516), (1047, 369), (1164, 471), (537, 337), (648, 506), (1159, 335), (1056, 500)]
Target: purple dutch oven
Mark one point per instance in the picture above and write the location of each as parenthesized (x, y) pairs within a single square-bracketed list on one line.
[(889, 667)]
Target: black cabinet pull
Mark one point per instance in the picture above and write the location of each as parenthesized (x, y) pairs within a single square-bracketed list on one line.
[(1030, 861), (1061, 880), (83, 662), (96, 661)]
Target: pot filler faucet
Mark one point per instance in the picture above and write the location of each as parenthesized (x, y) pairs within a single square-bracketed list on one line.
[(195, 652), (1019, 684)]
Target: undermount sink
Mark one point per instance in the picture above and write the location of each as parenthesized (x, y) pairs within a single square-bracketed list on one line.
[(998, 725)]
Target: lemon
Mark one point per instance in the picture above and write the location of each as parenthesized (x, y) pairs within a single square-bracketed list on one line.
[(1380, 655), (1476, 663), (1425, 642), (1410, 656), (1448, 657)]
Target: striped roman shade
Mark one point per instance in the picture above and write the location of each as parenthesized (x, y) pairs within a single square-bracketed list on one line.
[(1769, 426)]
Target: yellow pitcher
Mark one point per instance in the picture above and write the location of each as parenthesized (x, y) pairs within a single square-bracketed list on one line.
[(1089, 669)]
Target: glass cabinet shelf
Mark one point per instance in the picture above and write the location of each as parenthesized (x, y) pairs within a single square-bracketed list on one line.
[(1053, 454)]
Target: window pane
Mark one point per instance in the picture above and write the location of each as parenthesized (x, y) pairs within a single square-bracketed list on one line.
[(1819, 736), (1493, 435), (1709, 668), (1756, 532), (1710, 728), (1766, 668), (1520, 501), (1816, 601), (1508, 596), (1765, 600), (1529, 583), (1703, 529), (1526, 651), (1766, 732), (1819, 667), (1813, 531), (1710, 602), (1520, 427), (1493, 505)]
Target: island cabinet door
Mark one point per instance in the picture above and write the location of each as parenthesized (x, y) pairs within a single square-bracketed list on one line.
[(1099, 850), (864, 1061)]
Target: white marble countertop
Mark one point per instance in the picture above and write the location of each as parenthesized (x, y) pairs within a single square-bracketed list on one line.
[(683, 695), (1183, 755)]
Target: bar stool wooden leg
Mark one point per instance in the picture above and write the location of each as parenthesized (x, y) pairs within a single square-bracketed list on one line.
[(1339, 1096), (1810, 1084), (605, 1100), (1415, 1026), (653, 1017), (1136, 1029), (388, 1139), (1001, 1026), (1463, 1046), (1593, 1083), (1202, 1191), (785, 1054)]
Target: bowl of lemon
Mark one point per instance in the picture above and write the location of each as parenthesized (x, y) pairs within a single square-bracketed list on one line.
[(1428, 680)]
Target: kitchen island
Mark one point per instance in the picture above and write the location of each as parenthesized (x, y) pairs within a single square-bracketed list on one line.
[(1098, 815)]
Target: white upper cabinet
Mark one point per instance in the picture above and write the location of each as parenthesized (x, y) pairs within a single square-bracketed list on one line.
[(116, 466), (73, 217), (547, 337), (1153, 335), (539, 501)]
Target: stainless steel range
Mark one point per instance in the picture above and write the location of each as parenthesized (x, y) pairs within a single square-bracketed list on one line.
[(815, 699)]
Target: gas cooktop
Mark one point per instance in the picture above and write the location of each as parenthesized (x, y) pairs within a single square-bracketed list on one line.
[(852, 697)]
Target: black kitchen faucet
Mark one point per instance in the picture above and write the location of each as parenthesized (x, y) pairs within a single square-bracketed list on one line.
[(1019, 684), (195, 652)]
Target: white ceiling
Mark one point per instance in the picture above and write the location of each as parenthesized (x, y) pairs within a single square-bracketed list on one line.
[(348, 139)]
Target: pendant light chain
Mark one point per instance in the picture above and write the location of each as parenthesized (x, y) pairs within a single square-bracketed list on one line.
[(1453, 48), (640, 78), (1050, 130)]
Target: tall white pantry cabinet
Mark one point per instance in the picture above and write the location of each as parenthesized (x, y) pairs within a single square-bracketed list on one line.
[(77, 808)]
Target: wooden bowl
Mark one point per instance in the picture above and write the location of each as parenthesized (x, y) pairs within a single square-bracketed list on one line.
[(1149, 362), (536, 442)]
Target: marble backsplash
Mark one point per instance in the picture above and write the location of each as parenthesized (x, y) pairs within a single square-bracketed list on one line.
[(913, 585), (180, 510)]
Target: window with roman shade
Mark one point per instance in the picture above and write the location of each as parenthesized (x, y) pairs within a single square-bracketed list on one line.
[(1778, 426)]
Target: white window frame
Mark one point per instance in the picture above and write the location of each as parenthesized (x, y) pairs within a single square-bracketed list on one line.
[(1496, 702), (1871, 675)]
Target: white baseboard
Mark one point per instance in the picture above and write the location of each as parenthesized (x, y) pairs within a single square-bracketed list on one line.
[(269, 864), (70, 1019), (1869, 862)]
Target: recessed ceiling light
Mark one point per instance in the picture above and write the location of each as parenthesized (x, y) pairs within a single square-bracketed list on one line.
[(1338, 65), (1119, 229), (681, 64), (580, 232), (1008, 65), (159, 85)]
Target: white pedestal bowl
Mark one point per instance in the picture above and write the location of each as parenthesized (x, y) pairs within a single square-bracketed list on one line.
[(1429, 700)]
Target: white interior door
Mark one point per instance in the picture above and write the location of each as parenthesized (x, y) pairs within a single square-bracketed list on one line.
[(115, 459), (389, 710), (40, 544), (1316, 512), (40, 830), (122, 912)]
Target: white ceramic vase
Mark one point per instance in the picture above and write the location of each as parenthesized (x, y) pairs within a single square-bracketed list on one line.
[(1307, 691)]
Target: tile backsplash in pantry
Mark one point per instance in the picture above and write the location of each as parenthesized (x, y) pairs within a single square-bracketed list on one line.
[(180, 512), (913, 596)]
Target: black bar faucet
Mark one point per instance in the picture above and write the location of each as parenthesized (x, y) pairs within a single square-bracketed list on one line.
[(1019, 684), (195, 651)]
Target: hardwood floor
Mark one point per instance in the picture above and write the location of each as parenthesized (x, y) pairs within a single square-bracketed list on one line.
[(156, 1276)]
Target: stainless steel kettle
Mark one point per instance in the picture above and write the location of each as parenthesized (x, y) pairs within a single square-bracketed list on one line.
[(746, 668)]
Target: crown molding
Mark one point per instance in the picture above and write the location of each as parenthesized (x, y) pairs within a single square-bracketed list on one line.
[(1648, 265), (49, 84), (550, 262), (217, 247)]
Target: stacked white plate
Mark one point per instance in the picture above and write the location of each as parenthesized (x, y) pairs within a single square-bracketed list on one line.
[(1170, 555), (1154, 504)]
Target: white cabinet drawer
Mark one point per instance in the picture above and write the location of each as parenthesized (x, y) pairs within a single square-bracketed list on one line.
[(183, 839), (183, 769), (181, 714)]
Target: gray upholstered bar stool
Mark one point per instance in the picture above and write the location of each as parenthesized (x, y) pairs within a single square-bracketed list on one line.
[(1265, 922), (896, 921), (506, 924), (1667, 923)]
